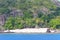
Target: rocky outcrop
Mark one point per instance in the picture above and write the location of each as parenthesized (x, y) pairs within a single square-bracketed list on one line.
[(14, 12), (57, 2)]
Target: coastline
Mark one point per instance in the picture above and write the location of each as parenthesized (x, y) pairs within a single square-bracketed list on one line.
[(30, 30)]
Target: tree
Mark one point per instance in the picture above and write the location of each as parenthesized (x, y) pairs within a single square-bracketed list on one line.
[(54, 23), (9, 24), (29, 23), (19, 23), (34, 12)]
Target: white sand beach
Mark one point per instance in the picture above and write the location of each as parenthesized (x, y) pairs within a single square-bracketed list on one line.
[(30, 30)]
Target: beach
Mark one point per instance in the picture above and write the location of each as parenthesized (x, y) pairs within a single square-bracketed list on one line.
[(30, 30)]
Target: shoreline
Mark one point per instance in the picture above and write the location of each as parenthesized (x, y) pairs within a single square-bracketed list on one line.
[(27, 33), (30, 30)]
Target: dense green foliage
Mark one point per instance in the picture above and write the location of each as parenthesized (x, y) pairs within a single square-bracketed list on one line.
[(55, 23), (36, 13), (9, 23)]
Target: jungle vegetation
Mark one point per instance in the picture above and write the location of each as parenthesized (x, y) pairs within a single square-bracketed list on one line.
[(35, 14)]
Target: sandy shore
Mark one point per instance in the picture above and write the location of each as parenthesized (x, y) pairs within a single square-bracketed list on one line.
[(30, 30)]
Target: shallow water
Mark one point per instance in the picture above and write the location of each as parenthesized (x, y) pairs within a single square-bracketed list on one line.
[(10, 36)]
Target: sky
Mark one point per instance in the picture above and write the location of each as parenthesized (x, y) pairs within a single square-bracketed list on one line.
[(58, 0)]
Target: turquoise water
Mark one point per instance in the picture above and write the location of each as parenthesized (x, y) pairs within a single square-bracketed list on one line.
[(29, 36)]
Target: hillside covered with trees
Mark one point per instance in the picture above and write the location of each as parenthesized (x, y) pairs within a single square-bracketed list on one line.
[(30, 14)]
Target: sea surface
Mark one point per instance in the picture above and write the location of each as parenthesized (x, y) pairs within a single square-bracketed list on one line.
[(15, 36)]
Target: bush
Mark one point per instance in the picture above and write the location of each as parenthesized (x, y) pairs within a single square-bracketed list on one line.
[(13, 23), (19, 23), (9, 24), (54, 22)]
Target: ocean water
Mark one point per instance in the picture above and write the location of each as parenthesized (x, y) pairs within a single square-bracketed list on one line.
[(10, 36)]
